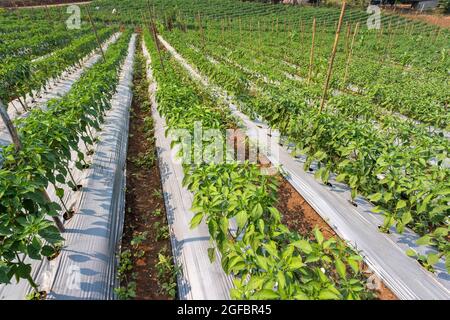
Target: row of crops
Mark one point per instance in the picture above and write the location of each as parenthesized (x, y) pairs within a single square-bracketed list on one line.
[(304, 266), (382, 129), (48, 140), (398, 164), (29, 60)]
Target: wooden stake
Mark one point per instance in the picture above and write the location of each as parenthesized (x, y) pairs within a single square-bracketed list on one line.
[(9, 125), (48, 14), (222, 27), (437, 34), (95, 32), (347, 38), (347, 65), (201, 29), (333, 54), (240, 29), (311, 55), (155, 38)]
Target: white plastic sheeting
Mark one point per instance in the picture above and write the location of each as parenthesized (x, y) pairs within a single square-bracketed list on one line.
[(384, 253), (89, 261), (86, 266), (200, 279)]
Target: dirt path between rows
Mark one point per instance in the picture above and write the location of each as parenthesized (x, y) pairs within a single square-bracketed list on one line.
[(441, 21)]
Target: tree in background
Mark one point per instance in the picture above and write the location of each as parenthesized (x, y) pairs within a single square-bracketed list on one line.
[(444, 6)]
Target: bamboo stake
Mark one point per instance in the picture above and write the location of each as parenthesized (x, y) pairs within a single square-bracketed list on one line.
[(9, 125), (222, 28), (155, 38), (95, 32), (201, 29), (302, 30), (259, 34), (438, 32), (347, 37), (350, 53), (333, 54), (48, 14), (240, 29), (311, 55)]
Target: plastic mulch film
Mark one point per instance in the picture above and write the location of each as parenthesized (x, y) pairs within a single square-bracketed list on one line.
[(200, 279), (88, 264), (384, 253)]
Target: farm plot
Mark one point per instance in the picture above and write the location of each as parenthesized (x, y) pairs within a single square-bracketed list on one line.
[(55, 145), (254, 222), (219, 151), (293, 110)]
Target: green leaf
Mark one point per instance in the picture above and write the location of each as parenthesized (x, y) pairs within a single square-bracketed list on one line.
[(266, 294), (401, 204), (196, 220), (411, 253), (276, 215), (318, 235), (387, 196), (375, 197), (23, 270), (296, 263), (406, 217), (303, 245), (48, 251), (340, 268), (212, 254), (441, 232), (51, 234), (261, 261), (5, 274), (59, 192), (261, 225), (432, 258), (327, 294), (257, 211), (281, 280), (425, 240), (34, 249), (241, 219)]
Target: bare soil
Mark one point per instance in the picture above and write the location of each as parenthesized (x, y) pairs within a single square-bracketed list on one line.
[(143, 199), (437, 20)]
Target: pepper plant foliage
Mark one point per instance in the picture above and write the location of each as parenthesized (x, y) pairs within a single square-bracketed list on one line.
[(24, 76), (396, 163), (237, 202), (47, 138)]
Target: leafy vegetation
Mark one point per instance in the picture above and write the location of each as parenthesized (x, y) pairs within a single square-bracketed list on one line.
[(48, 137), (267, 260), (396, 163)]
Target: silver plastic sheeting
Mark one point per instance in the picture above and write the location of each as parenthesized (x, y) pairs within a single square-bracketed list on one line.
[(200, 279), (88, 263), (384, 253), (86, 266)]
